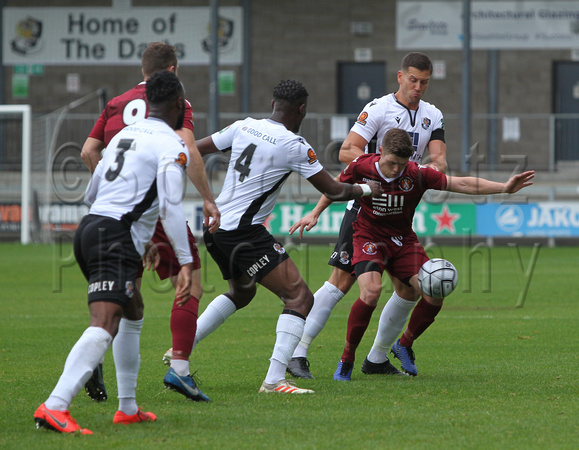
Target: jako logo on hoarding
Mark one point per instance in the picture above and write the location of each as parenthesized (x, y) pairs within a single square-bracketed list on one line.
[(509, 218)]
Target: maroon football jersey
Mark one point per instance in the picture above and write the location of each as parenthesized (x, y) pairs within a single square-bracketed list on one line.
[(125, 110), (392, 214)]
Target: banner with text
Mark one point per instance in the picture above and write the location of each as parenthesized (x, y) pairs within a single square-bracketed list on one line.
[(494, 25), (108, 36), (553, 219), (544, 219), (429, 220)]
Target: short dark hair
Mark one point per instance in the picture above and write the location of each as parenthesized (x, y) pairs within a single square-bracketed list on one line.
[(163, 87), (397, 141), (158, 56), (417, 60), (290, 91)]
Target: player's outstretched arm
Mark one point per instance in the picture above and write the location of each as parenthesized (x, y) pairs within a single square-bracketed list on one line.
[(91, 152), (197, 175), (310, 220), (480, 186), (337, 191)]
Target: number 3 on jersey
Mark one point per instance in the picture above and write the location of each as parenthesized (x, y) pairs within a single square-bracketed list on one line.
[(243, 162), (123, 146)]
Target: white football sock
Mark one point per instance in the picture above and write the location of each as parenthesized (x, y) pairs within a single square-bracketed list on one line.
[(288, 332), (392, 321), (181, 367), (325, 299), (127, 361), (79, 366), (213, 317)]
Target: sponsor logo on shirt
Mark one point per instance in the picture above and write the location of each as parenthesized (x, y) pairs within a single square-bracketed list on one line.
[(182, 160), (312, 158), (362, 118), (370, 248)]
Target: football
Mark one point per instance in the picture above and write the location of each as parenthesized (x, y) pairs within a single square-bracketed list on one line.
[(437, 278)]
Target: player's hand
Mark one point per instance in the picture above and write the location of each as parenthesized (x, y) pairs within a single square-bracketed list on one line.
[(376, 187), (151, 258), (183, 285), (307, 222), (519, 181), (212, 216)]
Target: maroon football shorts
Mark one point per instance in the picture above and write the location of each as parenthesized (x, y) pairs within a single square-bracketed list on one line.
[(169, 264), (401, 256)]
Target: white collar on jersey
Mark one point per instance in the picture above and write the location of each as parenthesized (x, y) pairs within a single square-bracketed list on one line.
[(389, 180)]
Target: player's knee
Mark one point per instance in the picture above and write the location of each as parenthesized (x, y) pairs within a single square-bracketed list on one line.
[(342, 280)]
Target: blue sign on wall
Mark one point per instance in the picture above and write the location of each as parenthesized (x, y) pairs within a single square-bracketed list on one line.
[(553, 219)]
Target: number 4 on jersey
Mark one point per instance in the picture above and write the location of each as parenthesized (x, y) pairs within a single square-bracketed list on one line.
[(243, 162)]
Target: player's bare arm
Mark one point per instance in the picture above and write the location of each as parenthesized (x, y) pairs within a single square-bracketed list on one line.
[(91, 152), (197, 175), (310, 220), (353, 146), (206, 146), (480, 186), (336, 191), (437, 153)]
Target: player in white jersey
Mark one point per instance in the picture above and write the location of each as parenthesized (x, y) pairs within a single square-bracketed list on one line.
[(263, 155), (425, 123), (140, 177)]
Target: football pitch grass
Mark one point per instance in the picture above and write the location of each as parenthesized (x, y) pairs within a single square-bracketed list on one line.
[(491, 375)]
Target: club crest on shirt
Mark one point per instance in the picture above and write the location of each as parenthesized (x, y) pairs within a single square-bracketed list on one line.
[(312, 158), (425, 123), (279, 248), (362, 118), (182, 160), (129, 289), (406, 184), (370, 248)]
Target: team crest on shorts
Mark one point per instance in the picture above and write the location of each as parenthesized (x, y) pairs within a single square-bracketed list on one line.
[(370, 248), (279, 248), (344, 257), (406, 184), (129, 289), (425, 123)]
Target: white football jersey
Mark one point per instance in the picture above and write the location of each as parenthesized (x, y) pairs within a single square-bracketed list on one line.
[(384, 113), (140, 176), (263, 155)]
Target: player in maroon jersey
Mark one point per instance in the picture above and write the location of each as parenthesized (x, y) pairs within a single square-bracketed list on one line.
[(384, 239), (122, 111)]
